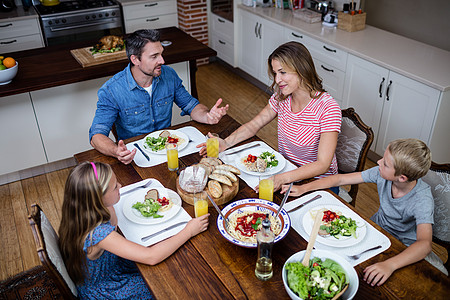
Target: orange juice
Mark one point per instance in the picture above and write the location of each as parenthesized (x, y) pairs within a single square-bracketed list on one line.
[(200, 207), (266, 189), (172, 157), (212, 146)]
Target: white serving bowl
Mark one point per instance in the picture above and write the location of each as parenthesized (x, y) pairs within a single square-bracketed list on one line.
[(8, 74), (322, 254)]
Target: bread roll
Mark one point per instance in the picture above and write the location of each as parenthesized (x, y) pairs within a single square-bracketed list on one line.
[(226, 173), (229, 168), (221, 178), (152, 194), (214, 188)]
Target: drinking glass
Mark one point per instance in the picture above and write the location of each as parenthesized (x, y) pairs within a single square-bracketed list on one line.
[(212, 145), (200, 204), (172, 156), (266, 187)]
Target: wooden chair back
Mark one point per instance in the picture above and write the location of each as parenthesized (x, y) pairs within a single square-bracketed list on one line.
[(47, 247), (354, 142)]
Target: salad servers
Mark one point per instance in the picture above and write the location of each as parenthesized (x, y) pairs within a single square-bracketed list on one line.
[(312, 239), (143, 153), (340, 293), (142, 186), (286, 195), (218, 210), (357, 256)]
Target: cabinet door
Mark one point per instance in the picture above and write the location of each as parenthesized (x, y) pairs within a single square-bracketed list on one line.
[(272, 37), (409, 111), (250, 44), (21, 142), (364, 90)]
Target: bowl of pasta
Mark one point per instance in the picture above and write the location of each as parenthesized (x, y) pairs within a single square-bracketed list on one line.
[(245, 220)]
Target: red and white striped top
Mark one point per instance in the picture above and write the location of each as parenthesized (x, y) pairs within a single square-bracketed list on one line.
[(299, 133)]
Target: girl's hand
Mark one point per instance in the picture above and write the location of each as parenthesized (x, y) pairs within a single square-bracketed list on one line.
[(296, 190), (197, 225), (222, 145)]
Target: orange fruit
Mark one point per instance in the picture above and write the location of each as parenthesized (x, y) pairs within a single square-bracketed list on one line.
[(9, 62)]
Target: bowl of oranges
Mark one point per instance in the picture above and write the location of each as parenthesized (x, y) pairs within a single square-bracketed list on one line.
[(8, 69)]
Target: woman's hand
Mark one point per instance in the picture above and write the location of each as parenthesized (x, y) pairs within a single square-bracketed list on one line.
[(197, 225), (222, 145)]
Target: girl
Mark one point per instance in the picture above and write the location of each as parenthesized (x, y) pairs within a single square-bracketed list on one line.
[(309, 119), (99, 260)]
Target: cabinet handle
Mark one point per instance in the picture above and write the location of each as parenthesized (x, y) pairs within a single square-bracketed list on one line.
[(223, 43), (387, 90), (297, 36), (326, 69), (381, 87), (220, 20), (151, 4), (259, 30), (6, 25), (10, 42), (328, 49), (151, 20), (256, 29)]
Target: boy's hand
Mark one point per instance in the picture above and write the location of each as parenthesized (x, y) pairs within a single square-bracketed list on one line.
[(378, 273)]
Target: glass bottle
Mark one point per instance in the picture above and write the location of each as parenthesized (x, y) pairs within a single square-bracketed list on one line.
[(264, 238)]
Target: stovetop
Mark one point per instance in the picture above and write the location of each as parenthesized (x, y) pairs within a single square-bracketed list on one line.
[(74, 6)]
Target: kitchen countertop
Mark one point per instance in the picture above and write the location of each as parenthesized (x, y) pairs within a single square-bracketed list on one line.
[(54, 66), (424, 63), (18, 14)]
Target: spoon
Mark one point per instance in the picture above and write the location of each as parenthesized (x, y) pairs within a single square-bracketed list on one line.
[(340, 293), (312, 239)]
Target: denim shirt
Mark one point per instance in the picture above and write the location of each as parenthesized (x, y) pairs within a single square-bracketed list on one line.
[(123, 102)]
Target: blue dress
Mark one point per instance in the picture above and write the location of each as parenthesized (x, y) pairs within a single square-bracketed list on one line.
[(110, 276)]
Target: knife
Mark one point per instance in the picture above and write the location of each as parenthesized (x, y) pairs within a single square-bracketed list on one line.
[(143, 153), (304, 203), (241, 149), (146, 238), (286, 195)]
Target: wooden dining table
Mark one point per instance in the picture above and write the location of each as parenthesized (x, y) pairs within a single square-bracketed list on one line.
[(210, 267)]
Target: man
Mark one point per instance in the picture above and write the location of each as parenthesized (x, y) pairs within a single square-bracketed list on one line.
[(139, 99)]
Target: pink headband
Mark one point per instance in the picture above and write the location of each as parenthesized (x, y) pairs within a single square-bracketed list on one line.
[(95, 170)]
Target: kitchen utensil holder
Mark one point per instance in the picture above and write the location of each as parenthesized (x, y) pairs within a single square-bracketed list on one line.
[(351, 23)]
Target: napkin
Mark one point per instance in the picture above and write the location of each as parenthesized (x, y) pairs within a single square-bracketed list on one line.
[(135, 232), (155, 159), (233, 159), (372, 238)]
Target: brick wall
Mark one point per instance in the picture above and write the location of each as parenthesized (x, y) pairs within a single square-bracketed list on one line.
[(193, 19)]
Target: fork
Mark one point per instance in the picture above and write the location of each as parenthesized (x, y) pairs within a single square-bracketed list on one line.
[(147, 184), (357, 256)]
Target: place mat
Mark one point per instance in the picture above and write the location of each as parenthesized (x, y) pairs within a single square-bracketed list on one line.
[(155, 159), (134, 232), (251, 180), (372, 238)]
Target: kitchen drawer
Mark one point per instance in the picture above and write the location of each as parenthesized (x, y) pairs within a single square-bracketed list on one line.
[(224, 48), (151, 23), (330, 55), (291, 35), (223, 26), (13, 44), (149, 9), (332, 78), (19, 28)]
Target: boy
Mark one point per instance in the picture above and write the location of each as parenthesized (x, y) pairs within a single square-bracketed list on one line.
[(406, 204)]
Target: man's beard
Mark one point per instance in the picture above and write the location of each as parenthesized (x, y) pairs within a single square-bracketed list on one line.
[(152, 74)]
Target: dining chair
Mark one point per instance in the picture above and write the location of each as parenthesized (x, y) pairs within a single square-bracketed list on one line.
[(438, 177), (353, 144), (48, 251)]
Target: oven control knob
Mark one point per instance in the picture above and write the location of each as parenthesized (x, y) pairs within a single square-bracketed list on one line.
[(50, 22), (94, 16), (107, 15), (57, 21), (100, 15), (63, 20), (87, 17), (113, 13)]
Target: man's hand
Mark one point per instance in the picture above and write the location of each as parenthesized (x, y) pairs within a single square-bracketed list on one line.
[(216, 113), (123, 154)]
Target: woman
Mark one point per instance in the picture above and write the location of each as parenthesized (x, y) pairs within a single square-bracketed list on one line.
[(309, 119)]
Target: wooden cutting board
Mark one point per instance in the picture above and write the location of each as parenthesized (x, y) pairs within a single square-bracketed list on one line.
[(229, 192), (86, 59)]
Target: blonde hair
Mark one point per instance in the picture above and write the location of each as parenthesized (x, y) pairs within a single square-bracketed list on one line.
[(296, 57), (82, 211), (411, 157)]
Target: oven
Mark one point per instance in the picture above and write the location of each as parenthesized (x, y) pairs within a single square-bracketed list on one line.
[(79, 20), (223, 8)]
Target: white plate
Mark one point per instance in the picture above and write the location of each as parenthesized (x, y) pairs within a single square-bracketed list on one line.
[(156, 134), (139, 196), (343, 241), (253, 205), (257, 152)]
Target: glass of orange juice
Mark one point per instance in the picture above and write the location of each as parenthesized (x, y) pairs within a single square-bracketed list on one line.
[(172, 156), (266, 187), (200, 204), (212, 145)]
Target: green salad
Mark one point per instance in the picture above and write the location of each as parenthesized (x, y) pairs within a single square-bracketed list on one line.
[(269, 158), (155, 144), (321, 280), (341, 226), (148, 208)]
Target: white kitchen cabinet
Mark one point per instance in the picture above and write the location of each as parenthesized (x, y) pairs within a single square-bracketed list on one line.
[(17, 35), (149, 14), (222, 38), (259, 38), (392, 104), (21, 143)]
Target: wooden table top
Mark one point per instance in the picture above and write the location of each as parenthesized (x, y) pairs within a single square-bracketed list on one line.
[(54, 66), (210, 267)]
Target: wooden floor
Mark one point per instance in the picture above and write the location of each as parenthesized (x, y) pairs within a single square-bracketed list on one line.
[(18, 251)]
